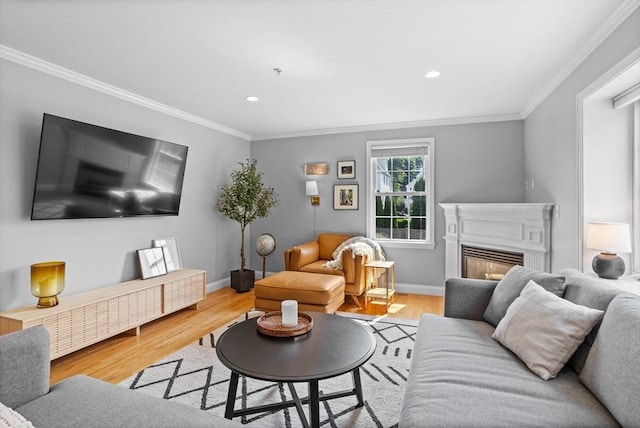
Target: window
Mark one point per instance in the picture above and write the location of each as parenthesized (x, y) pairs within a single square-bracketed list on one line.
[(400, 192)]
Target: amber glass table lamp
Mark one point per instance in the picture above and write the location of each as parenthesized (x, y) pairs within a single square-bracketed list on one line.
[(47, 281)]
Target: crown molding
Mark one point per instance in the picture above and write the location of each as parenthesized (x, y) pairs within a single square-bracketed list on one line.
[(391, 126), (41, 65), (618, 17)]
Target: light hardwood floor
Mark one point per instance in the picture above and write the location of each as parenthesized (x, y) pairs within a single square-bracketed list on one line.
[(116, 359)]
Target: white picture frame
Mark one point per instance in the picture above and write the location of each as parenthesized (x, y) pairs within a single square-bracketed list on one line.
[(171, 249), (151, 262)]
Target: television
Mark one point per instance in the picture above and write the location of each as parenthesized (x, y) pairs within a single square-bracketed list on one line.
[(87, 171)]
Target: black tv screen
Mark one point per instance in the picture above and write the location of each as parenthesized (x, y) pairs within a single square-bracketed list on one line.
[(87, 171)]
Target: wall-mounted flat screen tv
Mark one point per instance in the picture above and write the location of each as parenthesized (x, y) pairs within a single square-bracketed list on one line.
[(87, 171)]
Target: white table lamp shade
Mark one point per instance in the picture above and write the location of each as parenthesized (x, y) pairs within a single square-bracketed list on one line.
[(609, 237), (312, 188)]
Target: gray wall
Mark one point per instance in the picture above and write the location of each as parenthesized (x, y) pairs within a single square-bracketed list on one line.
[(101, 252), (551, 155), (474, 163)]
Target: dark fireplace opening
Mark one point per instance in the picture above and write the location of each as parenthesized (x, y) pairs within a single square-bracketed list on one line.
[(483, 263)]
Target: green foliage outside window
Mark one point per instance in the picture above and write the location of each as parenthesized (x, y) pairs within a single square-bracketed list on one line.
[(402, 216)]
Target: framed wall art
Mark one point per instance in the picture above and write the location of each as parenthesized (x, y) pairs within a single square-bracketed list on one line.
[(316, 168), (151, 262), (172, 257), (345, 197), (347, 169)]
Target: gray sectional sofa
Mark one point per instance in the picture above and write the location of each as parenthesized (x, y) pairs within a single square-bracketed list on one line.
[(80, 401), (462, 377)]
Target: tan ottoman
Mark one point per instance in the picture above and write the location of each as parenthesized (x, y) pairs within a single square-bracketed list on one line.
[(313, 291)]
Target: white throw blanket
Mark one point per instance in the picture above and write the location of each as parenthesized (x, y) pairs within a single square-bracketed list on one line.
[(359, 246)]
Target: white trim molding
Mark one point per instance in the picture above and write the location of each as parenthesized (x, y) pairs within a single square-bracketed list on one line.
[(41, 65), (392, 126)]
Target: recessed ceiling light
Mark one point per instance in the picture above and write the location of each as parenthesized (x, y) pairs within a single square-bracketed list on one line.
[(252, 99), (432, 74)]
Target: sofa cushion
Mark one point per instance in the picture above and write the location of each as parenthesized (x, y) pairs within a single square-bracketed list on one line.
[(612, 369), (461, 377), (319, 267), (592, 292), (544, 330), (509, 288), (83, 402), (24, 366), (328, 242)]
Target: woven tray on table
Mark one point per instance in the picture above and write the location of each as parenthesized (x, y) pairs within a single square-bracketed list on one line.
[(271, 325)]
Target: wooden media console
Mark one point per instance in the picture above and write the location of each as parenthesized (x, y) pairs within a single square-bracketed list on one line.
[(83, 319)]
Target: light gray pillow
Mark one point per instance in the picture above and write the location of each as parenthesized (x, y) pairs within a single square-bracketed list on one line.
[(612, 369), (544, 330), (509, 288)]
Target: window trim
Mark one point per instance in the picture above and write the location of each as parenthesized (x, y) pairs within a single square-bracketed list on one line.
[(429, 243), (635, 189)]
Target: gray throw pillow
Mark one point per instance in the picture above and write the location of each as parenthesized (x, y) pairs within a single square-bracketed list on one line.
[(612, 371), (509, 288), (544, 330)]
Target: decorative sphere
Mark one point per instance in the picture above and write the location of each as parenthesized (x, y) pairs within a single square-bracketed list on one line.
[(265, 244)]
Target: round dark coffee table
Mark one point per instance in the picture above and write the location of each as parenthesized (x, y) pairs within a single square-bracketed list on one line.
[(334, 346)]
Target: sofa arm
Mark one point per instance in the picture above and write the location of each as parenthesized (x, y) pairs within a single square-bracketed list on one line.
[(302, 255), (288, 254), (467, 298), (24, 366)]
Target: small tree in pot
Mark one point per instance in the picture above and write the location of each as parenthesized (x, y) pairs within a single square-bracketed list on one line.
[(245, 199)]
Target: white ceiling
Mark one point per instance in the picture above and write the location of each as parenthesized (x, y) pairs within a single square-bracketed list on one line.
[(346, 65)]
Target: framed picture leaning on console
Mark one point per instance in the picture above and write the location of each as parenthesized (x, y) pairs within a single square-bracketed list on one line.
[(171, 249), (151, 262)]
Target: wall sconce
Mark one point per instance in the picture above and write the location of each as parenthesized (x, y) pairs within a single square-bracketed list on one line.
[(47, 281), (610, 238), (312, 190)]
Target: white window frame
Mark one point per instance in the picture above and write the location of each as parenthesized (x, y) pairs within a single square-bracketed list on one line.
[(429, 242), (635, 226)]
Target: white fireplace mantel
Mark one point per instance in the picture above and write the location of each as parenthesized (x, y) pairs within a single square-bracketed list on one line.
[(515, 227)]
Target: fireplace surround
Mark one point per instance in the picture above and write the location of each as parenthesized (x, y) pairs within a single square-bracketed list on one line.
[(523, 228)]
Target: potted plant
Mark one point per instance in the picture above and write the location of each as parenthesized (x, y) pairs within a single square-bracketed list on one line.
[(245, 199)]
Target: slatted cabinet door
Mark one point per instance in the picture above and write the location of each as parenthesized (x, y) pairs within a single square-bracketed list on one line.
[(184, 292)]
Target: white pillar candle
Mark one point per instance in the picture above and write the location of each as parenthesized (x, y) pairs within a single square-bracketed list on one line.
[(289, 313)]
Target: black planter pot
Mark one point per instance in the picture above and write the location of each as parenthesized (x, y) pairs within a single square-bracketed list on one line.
[(242, 281)]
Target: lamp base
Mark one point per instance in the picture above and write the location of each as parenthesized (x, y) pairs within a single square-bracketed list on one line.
[(48, 302), (608, 266)]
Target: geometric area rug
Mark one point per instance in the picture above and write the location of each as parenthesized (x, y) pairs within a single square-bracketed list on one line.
[(194, 376)]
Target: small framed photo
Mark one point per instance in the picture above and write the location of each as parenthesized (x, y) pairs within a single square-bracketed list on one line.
[(345, 197), (172, 257), (151, 261), (347, 169)]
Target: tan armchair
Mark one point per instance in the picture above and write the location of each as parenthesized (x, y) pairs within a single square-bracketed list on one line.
[(311, 257)]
